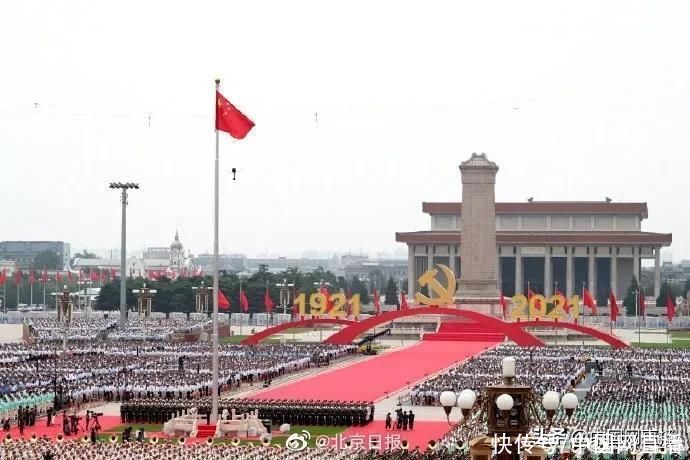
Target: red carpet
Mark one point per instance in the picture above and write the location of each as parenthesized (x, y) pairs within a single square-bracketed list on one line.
[(464, 331), (423, 433), (107, 422), (370, 380)]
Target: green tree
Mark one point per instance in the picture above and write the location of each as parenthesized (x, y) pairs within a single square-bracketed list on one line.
[(359, 287), (629, 300), (665, 290), (392, 293), (47, 259)]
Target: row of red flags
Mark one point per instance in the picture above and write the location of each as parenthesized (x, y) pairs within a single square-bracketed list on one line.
[(59, 276), (589, 302)]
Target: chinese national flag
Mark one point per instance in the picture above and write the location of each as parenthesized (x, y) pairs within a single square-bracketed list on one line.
[(18, 275), (58, 276), (32, 276), (504, 305), (588, 301), (268, 302), (93, 275), (112, 274), (3, 277), (403, 301), (244, 303), (223, 302), (641, 302), (670, 307), (44, 276), (231, 120), (377, 302), (102, 277), (614, 307)]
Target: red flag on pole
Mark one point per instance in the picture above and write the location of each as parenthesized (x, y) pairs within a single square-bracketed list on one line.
[(613, 304), (641, 302), (504, 305), (113, 275), (223, 302), (44, 276), (377, 302), (18, 275), (403, 301), (102, 277), (3, 277), (32, 276), (93, 275), (329, 302), (588, 301), (231, 120), (69, 276), (58, 276), (670, 306), (244, 302), (268, 303)]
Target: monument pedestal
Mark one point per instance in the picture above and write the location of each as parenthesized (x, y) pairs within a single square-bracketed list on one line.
[(487, 305), (479, 295)]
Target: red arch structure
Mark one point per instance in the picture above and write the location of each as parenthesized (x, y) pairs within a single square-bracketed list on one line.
[(516, 334), (615, 342), (259, 336)]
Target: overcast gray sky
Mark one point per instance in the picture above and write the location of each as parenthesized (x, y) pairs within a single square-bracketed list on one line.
[(573, 100)]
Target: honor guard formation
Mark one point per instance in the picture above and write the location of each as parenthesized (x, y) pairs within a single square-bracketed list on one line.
[(329, 413)]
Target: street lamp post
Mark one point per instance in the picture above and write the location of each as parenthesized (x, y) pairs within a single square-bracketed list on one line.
[(285, 294), (123, 248), (64, 312), (506, 408), (203, 293), (145, 295)]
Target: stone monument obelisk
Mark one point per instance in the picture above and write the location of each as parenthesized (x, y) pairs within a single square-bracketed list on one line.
[(478, 286)]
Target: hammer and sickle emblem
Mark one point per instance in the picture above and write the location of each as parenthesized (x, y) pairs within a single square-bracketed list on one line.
[(445, 294)]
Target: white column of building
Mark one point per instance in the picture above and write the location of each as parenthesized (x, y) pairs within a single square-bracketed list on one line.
[(657, 271), (614, 273), (548, 278), (411, 275), (569, 272), (591, 273), (636, 263), (430, 265), (518, 272), (451, 259)]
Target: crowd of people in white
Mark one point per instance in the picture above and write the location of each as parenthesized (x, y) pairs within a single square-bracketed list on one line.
[(552, 368), (109, 370), (83, 328)]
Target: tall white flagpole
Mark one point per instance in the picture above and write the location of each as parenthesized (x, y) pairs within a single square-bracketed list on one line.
[(214, 384)]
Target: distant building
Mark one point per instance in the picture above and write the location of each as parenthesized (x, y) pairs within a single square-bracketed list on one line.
[(24, 252), (156, 261), (362, 267), (282, 263), (228, 262)]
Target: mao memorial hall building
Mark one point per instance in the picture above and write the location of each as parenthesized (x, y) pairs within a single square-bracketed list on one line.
[(544, 246)]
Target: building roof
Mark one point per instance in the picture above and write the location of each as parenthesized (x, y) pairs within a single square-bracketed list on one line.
[(547, 207), (663, 239)]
